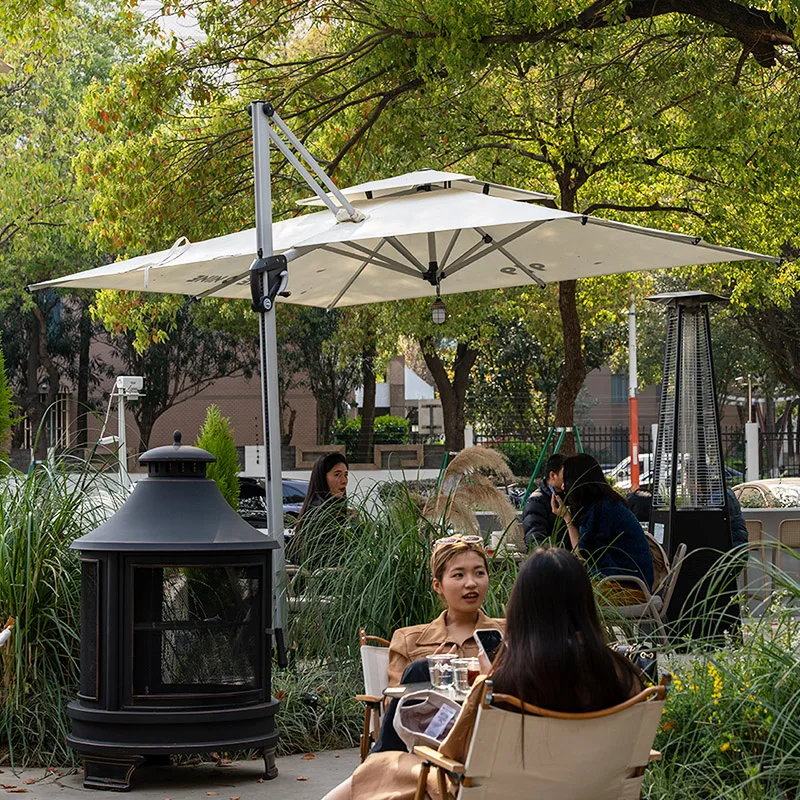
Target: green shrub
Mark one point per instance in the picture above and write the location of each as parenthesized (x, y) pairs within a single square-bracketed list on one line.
[(346, 431), (522, 456), (216, 436), (387, 430), (391, 430)]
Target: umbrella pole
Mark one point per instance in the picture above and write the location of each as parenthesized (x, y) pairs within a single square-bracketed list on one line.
[(265, 272)]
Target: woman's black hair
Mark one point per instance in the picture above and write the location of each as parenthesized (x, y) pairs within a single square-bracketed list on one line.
[(585, 483), (556, 656), (318, 491)]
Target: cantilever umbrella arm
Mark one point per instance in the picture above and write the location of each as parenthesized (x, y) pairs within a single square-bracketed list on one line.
[(268, 279)]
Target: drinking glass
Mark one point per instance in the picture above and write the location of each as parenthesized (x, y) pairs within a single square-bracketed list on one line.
[(441, 670), (465, 670)]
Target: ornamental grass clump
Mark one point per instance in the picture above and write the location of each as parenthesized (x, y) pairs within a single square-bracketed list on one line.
[(40, 515), (377, 576), (731, 727)]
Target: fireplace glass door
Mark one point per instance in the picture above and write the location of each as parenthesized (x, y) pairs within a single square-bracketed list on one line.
[(197, 630)]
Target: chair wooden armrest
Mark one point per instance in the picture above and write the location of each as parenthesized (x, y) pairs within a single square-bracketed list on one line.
[(655, 755), (368, 698), (438, 760)]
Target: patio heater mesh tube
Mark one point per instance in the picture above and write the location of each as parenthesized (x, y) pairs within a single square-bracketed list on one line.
[(662, 474), (688, 434), (700, 482)]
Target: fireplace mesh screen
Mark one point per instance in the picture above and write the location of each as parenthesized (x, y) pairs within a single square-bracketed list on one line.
[(196, 629)]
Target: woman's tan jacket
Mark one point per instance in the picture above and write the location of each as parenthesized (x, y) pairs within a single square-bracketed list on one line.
[(418, 641)]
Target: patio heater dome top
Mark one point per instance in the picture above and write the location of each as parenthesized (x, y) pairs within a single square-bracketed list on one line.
[(690, 298)]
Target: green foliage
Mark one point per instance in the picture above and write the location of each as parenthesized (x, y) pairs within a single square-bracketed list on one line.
[(216, 436), (730, 728), (345, 431), (40, 515), (388, 430), (522, 456), (6, 413), (382, 581), (391, 430)]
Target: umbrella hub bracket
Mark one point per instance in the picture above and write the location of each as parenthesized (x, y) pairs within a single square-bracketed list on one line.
[(432, 274), (268, 279)]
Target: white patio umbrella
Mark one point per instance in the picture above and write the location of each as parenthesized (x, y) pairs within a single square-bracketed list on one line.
[(412, 235), (429, 230)]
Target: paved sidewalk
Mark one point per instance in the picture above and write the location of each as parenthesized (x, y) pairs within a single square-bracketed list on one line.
[(299, 779)]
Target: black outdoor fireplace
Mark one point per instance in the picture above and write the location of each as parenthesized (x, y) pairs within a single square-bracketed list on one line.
[(176, 643)]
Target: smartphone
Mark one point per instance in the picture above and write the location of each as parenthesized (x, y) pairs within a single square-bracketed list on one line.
[(490, 640)]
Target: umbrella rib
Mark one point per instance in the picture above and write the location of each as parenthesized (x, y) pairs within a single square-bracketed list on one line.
[(403, 250), (466, 259), (450, 246), (515, 261), (362, 251), (380, 261), (223, 285), (358, 272)]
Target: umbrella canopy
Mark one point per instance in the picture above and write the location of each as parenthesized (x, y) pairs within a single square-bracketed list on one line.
[(419, 230)]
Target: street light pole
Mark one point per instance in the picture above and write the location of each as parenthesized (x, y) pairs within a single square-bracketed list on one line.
[(633, 400)]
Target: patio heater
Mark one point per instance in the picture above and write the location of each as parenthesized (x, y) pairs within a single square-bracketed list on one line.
[(689, 492)]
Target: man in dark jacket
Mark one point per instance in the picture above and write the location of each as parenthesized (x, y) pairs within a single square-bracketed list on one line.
[(538, 519)]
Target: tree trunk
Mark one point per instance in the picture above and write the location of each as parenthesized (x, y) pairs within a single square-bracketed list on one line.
[(81, 435), (574, 374), (574, 368), (452, 394), (366, 433), (38, 358)]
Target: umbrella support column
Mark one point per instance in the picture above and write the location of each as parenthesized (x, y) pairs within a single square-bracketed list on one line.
[(268, 279)]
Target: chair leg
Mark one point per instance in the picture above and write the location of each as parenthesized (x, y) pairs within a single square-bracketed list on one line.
[(442, 776), (422, 783), (366, 738)]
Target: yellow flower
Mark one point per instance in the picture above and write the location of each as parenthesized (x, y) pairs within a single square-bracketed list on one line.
[(725, 746)]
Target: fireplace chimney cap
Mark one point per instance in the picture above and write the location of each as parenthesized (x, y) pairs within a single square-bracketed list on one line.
[(176, 452)]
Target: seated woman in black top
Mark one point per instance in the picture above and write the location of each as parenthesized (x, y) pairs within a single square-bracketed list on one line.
[(603, 528)]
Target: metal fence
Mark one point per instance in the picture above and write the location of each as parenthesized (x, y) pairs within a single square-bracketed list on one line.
[(779, 454), (609, 445)]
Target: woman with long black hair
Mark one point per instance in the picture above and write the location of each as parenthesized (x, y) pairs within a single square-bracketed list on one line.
[(554, 656), (325, 517), (603, 529)]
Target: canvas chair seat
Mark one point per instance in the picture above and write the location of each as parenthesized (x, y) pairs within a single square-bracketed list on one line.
[(640, 609), (375, 666), (597, 756)]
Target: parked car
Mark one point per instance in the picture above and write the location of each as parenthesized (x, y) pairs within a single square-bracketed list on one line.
[(253, 506), (620, 476), (769, 493)]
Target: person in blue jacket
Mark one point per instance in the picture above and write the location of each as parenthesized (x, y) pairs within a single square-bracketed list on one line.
[(603, 529)]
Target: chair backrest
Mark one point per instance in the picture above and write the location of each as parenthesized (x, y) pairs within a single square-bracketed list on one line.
[(599, 756), (374, 663), (755, 530), (660, 561), (789, 532), (788, 536), (668, 586)]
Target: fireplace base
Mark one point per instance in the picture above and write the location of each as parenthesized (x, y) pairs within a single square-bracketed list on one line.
[(112, 744)]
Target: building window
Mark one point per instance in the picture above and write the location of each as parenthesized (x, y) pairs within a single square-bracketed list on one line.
[(619, 389)]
